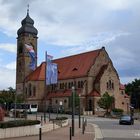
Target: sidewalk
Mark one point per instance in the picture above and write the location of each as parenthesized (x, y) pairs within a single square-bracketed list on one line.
[(63, 134)]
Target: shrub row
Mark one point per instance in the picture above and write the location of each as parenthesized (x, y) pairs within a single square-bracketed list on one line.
[(61, 118), (117, 110), (17, 123)]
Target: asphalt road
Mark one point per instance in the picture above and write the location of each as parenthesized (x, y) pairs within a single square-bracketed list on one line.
[(111, 130)]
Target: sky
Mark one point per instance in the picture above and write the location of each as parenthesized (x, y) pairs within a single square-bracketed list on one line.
[(67, 27)]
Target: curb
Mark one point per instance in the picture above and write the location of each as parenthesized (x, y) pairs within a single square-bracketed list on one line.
[(98, 133)]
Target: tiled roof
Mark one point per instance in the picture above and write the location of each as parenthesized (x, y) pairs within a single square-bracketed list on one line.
[(59, 94), (68, 67), (38, 74), (94, 93)]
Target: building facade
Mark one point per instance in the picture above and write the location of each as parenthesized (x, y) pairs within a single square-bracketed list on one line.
[(90, 73)]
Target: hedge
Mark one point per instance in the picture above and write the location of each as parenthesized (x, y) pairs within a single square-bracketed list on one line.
[(61, 118), (117, 110), (17, 123)]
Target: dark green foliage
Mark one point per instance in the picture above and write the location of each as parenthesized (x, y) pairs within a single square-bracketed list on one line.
[(7, 97), (2, 101), (76, 98), (133, 89), (61, 118), (117, 110), (106, 102), (18, 123)]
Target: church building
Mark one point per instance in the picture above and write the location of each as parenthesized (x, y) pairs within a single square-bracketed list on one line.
[(90, 73)]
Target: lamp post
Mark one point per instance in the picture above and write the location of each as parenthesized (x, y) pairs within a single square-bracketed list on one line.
[(73, 106), (79, 112)]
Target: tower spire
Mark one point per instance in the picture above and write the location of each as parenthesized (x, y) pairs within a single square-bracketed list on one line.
[(28, 8)]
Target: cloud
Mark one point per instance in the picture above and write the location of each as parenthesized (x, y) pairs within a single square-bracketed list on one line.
[(95, 42), (8, 47), (126, 80), (81, 25), (7, 75), (11, 66), (7, 78), (68, 23)]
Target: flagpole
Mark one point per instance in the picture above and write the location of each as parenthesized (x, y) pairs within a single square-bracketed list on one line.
[(45, 88)]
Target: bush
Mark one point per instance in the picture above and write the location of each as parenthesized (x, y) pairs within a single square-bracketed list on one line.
[(61, 118), (117, 110), (18, 123)]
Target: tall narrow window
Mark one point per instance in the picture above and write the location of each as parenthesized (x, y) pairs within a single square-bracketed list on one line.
[(110, 84), (26, 91), (69, 85), (65, 85), (62, 85), (82, 83), (107, 85), (34, 91), (78, 84), (30, 90)]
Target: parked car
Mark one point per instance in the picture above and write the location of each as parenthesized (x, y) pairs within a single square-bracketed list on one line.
[(126, 119)]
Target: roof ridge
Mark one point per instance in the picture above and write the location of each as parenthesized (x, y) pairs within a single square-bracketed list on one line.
[(78, 54)]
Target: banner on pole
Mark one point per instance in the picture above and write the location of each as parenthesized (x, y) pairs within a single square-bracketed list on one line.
[(51, 71)]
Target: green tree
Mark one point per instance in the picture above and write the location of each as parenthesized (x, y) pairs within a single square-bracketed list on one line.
[(133, 89), (76, 98), (106, 102), (2, 101), (8, 97)]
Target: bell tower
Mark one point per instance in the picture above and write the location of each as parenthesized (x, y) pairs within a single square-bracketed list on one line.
[(27, 34)]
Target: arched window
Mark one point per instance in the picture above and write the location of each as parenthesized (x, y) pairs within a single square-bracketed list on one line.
[(72, 84), (75, 84), (82, 84), (62, 85), (26, 91), (65, 85), (107, 85), (65, 101), (110, 84), (78, 84), (30, 90), (69, 85), (34, 91), (56, 101)]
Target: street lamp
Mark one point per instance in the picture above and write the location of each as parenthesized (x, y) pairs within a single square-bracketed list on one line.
[(73, 106), (79, 112)]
